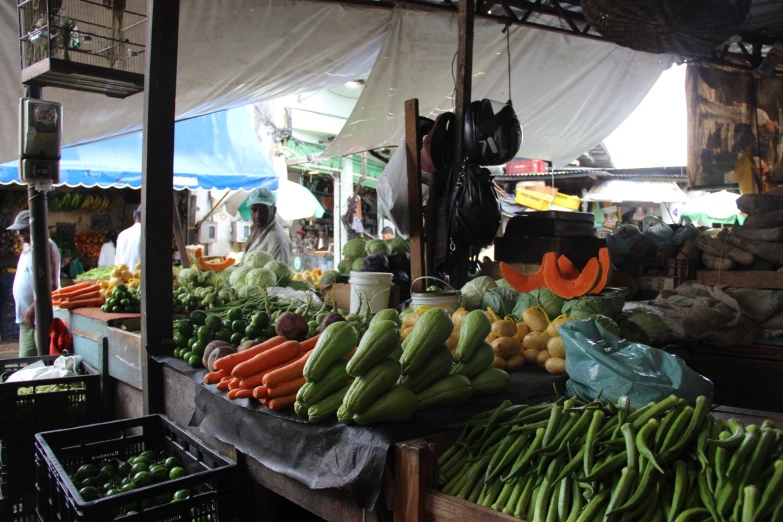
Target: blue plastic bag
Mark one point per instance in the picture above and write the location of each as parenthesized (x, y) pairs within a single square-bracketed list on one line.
[(598, 361)]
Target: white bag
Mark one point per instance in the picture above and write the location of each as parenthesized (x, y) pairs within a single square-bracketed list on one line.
[(392, 190)]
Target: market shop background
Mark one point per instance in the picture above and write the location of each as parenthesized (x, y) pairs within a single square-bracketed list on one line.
[(722, 126)]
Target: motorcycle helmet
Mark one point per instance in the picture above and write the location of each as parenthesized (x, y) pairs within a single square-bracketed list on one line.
[(492, 133)]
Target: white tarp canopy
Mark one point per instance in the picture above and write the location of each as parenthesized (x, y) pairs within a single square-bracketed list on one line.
[(230, 54), (625, 190), (569, 93)]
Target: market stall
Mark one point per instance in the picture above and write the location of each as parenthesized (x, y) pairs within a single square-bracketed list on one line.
[(308, 398)]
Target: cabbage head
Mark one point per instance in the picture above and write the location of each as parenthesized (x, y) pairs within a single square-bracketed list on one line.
[(354, 248), (248, 291), (344, 266), (262, 277), (398, 244), (303, 286), (358, 264), (257, 259), (281, 270), (473, 291), (617, 296), (543, 297), (329, 277), (239, 275), (224, 276), (501, 300), (378, 246), (630, 331), (608, 324), (502, 283), (588, 306), (652, 324), (187, 275)]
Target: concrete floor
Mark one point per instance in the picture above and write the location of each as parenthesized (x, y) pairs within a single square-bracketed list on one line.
[(9, 349)]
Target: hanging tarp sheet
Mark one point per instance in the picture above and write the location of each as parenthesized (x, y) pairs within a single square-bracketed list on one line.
[(622, 190), (219, 150), (230, 54), (570, 93)]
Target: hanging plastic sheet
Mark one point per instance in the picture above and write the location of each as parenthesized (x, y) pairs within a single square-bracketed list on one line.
[(230, 54), (569, 93)]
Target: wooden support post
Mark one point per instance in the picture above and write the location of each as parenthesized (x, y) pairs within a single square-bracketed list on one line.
[(462, 98), (414, 473), (413, 161), (179, 236), (157, 191)]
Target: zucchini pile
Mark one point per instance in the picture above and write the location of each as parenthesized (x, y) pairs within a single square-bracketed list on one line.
[(576, 462), (392, 380)]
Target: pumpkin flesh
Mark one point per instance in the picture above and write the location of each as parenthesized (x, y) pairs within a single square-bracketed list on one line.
[(569, 288), (521, 282)]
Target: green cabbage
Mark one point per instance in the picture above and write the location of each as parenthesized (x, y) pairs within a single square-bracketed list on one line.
[(378, 246), (631, 331), (256, 259), (224, 276), (543, 297), (398, 244), (187, 275), (248, 291), (281, 270), (473, 291), (502, 283), (652, 324), (617, 296), (344, 266), (588, 306), (262, 277), (358, 264), (329, 277), (608, 324), (354, 248), (303, 286), (500, 300), (238, 276)]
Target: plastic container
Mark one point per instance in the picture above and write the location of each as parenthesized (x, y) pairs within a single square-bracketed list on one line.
[(18, 508), (568, 201), (423, 301), (372, 287), (30, 407), (212, 479), (534, 200), (17, 466)]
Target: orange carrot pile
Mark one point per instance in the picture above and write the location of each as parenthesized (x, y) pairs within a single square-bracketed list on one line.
[(270, 372), (78, 296)]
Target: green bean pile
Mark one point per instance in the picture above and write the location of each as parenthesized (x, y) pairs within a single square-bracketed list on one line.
[(571, 461)]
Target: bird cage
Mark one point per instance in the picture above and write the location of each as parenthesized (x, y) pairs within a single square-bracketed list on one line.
[(84, 45), (689, 28)]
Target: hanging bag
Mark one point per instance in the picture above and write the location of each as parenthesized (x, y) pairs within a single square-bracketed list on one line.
[(475, 212)]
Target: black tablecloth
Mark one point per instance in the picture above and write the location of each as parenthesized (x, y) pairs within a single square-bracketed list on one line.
[(331, 454)]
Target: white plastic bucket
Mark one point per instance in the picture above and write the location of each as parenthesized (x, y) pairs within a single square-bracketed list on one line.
[(372, 287), (423, 301)]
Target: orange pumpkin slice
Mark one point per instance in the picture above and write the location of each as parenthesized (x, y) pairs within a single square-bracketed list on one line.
[(568, 288), (521, 282), (606, 271), (567, 268)]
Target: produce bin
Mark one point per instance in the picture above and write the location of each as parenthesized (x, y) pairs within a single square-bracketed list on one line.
[(17, 466), (31, 407), (18, 508), (211, 479)]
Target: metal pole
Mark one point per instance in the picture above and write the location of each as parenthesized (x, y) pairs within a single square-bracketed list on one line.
[(39, 239), (157, 194)]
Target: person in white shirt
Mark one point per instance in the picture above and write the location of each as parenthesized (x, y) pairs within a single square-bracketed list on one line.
[(129, 243), (268, 234), (108, 250), (24, 295)]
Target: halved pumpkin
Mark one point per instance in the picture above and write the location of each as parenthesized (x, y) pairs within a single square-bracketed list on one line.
[(568, 288), (521, 282), (606, 270), (217, 266), (567, 268)]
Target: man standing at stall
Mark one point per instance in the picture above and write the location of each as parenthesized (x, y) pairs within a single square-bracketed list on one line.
[(268, 234), (24, 295), (387, 233), (129, 243)]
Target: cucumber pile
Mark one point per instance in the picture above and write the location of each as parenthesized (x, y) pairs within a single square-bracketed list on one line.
[(115, 476), (576, 462)]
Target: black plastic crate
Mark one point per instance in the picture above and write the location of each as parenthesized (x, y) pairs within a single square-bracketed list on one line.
[(17, 466), (211, 479), (18, 508), (30, 407)]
